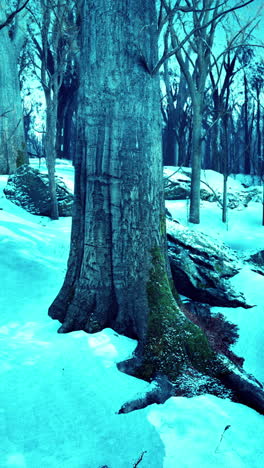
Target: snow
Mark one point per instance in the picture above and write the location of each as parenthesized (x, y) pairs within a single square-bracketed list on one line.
[(64, 169), (245, 234), (60, 394), (243, 231), (250, 322)]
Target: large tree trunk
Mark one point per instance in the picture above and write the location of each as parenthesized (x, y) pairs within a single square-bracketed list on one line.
[(117, 274), (116, 221), (117, 270), (12, 137)]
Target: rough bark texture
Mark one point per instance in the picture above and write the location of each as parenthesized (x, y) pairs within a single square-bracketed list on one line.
[(12, 138), (118, 173), (117, 273)]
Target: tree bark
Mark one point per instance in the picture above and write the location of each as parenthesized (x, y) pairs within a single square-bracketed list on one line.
[(117, 272), (118, 167), (50, 150), (225, 162), (12, 138), (247, 142), (194, 216), (258, 130)]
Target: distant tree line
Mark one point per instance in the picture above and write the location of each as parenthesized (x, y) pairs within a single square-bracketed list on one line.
[(234, 110)]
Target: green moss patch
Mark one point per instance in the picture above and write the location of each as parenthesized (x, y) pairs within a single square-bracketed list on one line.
[(172, 340)]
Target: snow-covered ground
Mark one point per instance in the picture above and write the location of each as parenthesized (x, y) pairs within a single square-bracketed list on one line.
[(244, 233), (60, 394)]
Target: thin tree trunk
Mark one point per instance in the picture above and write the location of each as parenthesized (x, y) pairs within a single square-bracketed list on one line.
[(215, 141), (225, 165), (194, 216), (258, 163), (262, 201), (224, 209), (247, 142), (50, 151), (170, 153), (67, 104)]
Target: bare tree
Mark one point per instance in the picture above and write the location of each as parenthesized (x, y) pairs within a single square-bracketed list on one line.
[(176, 115), (57, 41), (193, 54)]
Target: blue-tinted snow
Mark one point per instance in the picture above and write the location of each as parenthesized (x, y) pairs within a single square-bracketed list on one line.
[(59, 394), (244, 233)]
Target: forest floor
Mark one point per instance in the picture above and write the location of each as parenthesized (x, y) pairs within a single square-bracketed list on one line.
[(60, 394)]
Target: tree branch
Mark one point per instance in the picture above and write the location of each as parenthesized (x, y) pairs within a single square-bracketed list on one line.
[(192, 32), (12, 15)]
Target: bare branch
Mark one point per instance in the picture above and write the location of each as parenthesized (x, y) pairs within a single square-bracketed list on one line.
[(194, 31), (6, 112), (12, 15)]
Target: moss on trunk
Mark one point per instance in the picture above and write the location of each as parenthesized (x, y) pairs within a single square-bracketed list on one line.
[(172, 341)]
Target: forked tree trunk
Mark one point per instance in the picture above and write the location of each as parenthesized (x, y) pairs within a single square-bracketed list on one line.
[(12, 138)]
